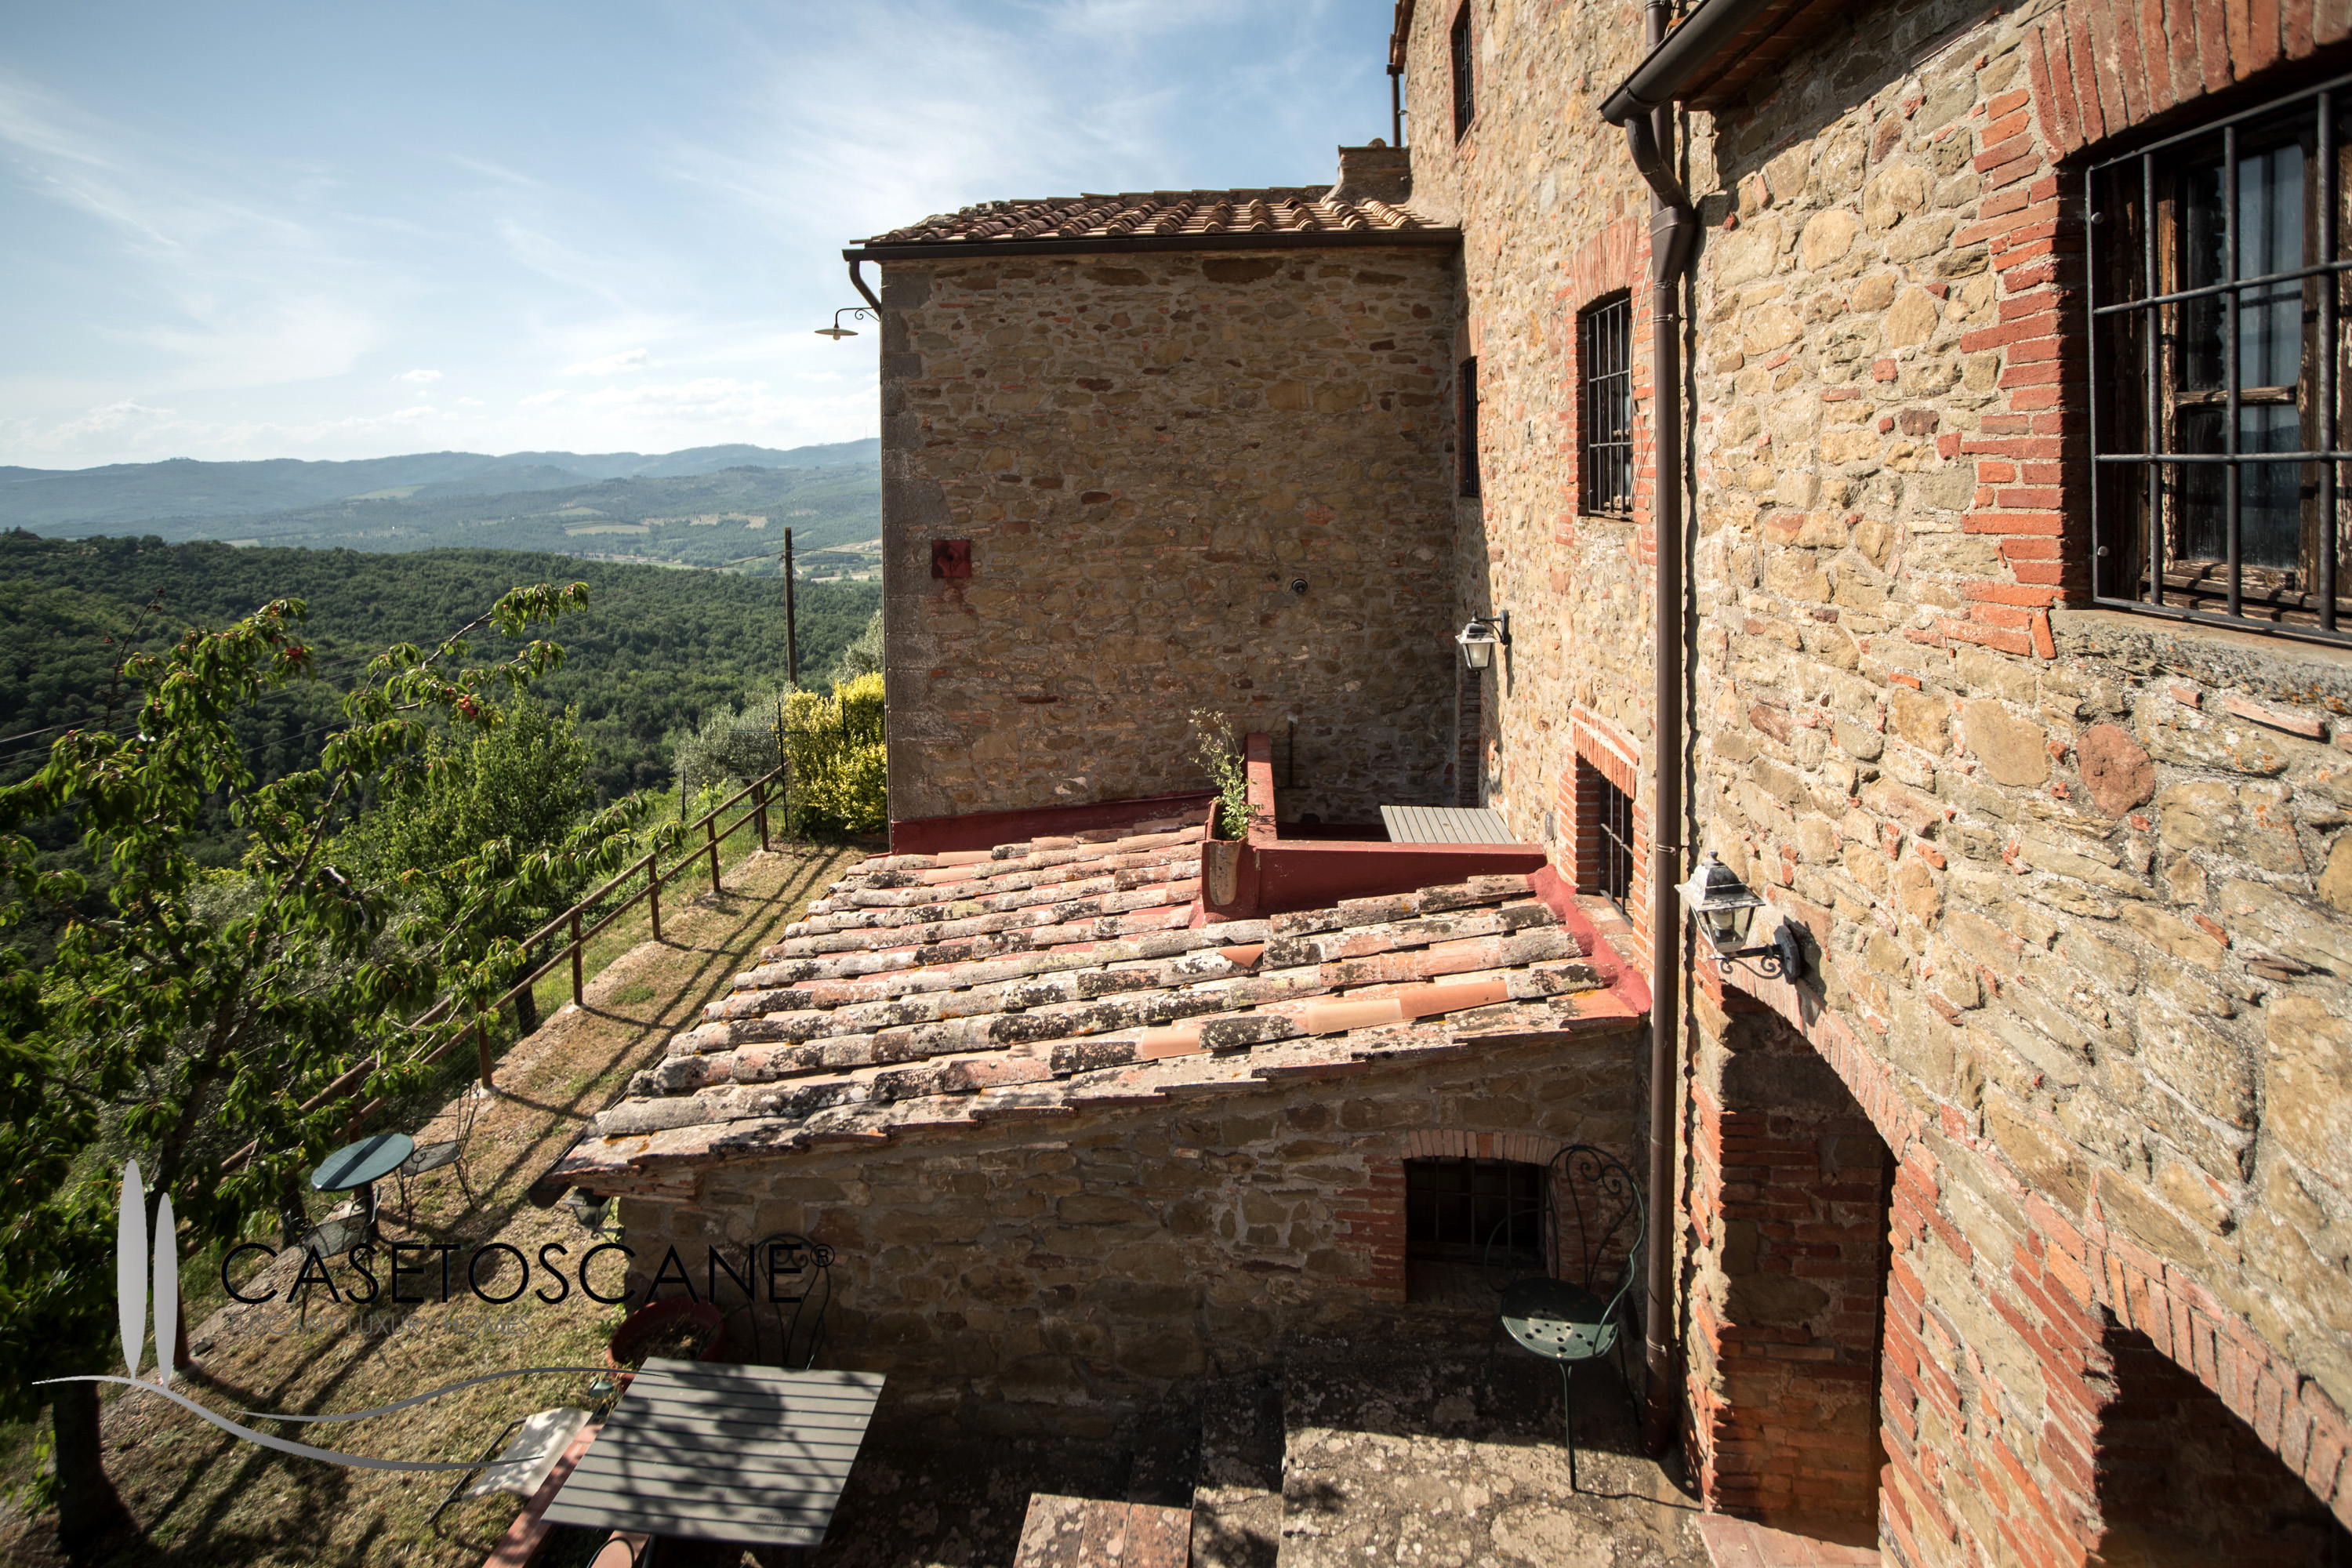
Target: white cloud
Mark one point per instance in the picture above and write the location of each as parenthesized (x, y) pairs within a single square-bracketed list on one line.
[(540, 399), (235, 287), (422, 377), (627, 360)]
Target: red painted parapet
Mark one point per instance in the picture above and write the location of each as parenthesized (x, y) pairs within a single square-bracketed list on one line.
[(1276, 874), (987, 829)]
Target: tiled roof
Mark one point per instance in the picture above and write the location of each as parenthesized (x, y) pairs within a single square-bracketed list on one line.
[(929, 993), (1283, 215)]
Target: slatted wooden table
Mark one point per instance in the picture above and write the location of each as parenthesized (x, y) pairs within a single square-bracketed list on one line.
[(721, 1451), (1444, 825)]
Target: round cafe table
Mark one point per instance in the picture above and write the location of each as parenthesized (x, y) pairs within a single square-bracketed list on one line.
[(358, 1167)]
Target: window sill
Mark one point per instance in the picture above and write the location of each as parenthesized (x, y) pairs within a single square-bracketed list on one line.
[(2216, 656)]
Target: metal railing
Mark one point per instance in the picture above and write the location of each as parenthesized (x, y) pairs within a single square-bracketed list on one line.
[(572, 922)]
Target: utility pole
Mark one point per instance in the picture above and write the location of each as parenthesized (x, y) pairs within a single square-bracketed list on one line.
[(791, 626)]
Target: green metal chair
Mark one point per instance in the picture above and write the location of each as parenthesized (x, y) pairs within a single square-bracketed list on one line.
[(1588, 1229)]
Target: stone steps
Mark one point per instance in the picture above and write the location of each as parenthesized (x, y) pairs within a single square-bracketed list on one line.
[(1237, 1479), (1392, 1453)]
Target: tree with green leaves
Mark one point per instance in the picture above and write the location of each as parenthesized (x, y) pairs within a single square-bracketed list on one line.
[(522, 776), (175, 1020)]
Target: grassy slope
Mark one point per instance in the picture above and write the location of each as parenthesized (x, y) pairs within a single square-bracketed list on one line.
[(203, 1498)]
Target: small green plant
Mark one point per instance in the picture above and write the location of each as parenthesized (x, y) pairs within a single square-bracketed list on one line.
[(1220, 756)]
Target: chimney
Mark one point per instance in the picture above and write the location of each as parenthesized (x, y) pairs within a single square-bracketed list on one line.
[(1380, 171)]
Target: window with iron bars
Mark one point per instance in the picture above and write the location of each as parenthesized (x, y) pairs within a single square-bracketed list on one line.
[(1604, 428), (1604, 835), (2217, 305), (1468, 456), (1454, 1210), (1465, 104)]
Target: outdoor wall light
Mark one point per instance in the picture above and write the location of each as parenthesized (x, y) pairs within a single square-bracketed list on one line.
[(837, 332), (1724, 909), (1482, 637)]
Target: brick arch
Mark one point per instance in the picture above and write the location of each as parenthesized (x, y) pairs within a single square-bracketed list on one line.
[(1457, 1143), (2076, 1272)]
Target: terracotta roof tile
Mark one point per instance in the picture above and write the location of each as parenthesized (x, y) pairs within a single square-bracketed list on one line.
[(925, 994), (1291, 211)]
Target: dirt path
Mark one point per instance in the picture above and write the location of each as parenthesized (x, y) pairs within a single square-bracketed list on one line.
[(204, 1498)]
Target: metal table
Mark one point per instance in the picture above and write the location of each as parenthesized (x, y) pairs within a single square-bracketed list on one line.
[(722, 1451), (1444, 825), (358, 1167)]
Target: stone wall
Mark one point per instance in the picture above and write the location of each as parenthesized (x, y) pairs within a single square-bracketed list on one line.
[(1553, 214), (2079, 884), (1146, 452), (1063, 1274)]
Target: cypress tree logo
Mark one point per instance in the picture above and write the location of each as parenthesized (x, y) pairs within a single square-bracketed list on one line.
[(143, 1274)]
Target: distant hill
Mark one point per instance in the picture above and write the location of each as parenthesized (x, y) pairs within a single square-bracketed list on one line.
[(78, 502), (733, 520)]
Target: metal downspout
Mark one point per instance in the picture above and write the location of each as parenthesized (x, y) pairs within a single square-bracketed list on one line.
[(1674, 227), (858, 279)]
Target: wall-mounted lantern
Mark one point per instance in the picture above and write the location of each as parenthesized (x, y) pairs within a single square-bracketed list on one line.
[(1482, 637), (837, 332), (1724, 909)]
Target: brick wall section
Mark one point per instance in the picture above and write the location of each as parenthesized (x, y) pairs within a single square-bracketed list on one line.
[(2182, 1481), (1061, 1275), (1145, 451), (1788, 1227)]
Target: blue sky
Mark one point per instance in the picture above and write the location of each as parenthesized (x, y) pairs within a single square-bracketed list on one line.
[(326, 230)]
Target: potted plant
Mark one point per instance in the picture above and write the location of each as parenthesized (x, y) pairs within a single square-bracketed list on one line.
[(1220, 756)]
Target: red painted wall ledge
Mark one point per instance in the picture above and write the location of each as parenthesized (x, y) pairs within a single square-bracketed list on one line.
[(1276, 875), (987, 829)]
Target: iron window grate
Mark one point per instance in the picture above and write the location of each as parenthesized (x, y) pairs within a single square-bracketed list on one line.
[(1455, 1208), (1465, 103), (1469, 454), (1604, 428), (2217, 303), (1615, 820)]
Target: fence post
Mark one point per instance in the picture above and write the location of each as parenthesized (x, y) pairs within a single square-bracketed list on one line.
[(710, 831), (579, 993), (759, 808), (652, 891), (482, 1046)]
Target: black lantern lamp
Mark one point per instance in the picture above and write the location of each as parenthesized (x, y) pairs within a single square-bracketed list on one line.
[(837, 332), (1482, 637), (1724, 909)]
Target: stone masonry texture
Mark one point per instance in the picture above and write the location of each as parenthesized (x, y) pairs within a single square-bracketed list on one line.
[(2076, 884), (1146, 451), (1068, 1274), (2046, 1154)]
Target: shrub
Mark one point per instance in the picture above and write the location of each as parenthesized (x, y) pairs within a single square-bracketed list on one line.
[(840, 767), (1220, 756)]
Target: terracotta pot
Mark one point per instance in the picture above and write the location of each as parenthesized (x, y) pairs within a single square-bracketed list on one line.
[(656, 1316), (1221, 871)]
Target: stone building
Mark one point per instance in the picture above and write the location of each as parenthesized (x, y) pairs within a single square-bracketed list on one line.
[(1981, 373)]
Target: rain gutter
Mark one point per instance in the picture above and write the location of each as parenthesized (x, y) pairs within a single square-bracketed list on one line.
[(1643, 105)]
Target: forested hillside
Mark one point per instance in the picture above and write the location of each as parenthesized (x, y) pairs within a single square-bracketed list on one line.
[(130, 497), (655, 649), (733, 520)]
